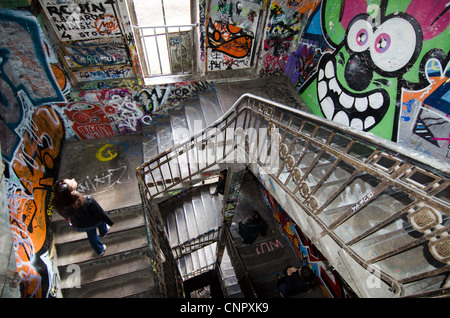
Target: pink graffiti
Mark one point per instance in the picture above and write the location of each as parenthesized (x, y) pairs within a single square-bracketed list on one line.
[(433, 16), (270, 247), (445, 139)]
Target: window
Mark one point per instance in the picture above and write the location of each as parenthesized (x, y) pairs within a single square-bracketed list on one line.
[(164, 33)]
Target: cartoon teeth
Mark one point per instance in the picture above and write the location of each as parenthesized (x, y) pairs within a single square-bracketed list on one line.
[(361, 111)]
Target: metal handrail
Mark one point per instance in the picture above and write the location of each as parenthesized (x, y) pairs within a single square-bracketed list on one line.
[(391, 165)]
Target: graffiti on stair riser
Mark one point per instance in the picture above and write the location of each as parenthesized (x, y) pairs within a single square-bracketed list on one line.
[(106, 113), (379, 67), (31, 137), (305, 250)]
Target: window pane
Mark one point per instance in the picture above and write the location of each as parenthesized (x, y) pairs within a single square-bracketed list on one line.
[(178, 12), (148, 12)]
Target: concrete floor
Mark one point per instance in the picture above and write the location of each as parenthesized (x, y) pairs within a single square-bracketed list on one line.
[(105, 169)]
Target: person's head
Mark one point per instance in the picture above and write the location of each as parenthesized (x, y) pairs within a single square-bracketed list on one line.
[(307, 274), (255, 217), (223, 174), (66, 195), (66, 185)]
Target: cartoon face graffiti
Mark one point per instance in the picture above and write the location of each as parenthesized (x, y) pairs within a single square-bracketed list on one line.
[(353, 85), (376, 55)]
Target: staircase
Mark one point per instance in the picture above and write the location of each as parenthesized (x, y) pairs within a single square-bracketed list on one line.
[(124, 271), (194, 219), (378, 213), (374, 212)]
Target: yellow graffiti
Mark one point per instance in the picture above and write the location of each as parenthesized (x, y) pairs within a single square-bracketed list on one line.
[(104, 154)]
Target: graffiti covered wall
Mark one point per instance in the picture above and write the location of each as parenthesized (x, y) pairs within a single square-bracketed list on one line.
[(380, 67), (39, 111), (306, 251), (286, 20), (111, 112), (91, 40), (32, 134), (230, 34)]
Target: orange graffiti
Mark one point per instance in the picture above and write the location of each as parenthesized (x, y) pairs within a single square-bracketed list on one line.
[(35, 166), (228, 39), (424, 93), (59, 76), (303, 6)]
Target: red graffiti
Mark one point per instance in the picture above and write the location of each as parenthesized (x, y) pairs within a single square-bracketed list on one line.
[(89, 121), (106, 23)]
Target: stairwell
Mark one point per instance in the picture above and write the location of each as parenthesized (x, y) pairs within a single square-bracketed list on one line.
[(124, 271), (104, 168), (363, 206)]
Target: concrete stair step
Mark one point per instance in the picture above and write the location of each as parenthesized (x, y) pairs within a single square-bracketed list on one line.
[(106, 267), (192, 216), (124, 219), (149, 143), (81, 251), (198, 259), (126, 285), (179, 124), (212, 215), (194, 116), (210, 106)]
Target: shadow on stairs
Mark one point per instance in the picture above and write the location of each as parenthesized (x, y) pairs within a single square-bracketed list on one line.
[(125, 270)]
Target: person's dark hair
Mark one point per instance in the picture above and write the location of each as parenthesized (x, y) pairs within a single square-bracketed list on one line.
[(308, 275), (64, 201), (255, 217)]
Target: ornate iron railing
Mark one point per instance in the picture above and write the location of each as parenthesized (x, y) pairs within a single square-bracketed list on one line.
[(377, 211)]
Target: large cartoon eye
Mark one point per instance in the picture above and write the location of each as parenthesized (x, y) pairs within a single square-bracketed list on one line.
[(359, 35), (393, 45)]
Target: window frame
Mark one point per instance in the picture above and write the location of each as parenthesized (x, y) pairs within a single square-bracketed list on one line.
[(150, 79)]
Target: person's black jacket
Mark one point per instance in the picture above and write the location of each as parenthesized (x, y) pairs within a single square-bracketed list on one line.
[(89, 214), (249, 231), (295, 284)]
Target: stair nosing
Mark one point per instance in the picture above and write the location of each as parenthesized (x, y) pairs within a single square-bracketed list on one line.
[(111, 232), (112, 276), (82, 260)]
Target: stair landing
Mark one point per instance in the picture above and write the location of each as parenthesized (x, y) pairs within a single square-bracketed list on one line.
[(269, 255)]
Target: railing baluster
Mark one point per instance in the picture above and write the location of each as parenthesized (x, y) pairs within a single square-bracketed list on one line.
[(361, 157)]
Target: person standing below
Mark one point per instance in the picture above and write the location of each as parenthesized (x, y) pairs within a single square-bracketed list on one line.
[(296, 281), (83, 213), (220, 188)]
